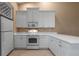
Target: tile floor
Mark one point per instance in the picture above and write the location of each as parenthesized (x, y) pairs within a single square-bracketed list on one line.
[(31, 53)]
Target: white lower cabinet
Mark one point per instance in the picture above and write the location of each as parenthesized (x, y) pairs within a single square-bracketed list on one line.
[(61, 48), (53, 46), (20, 41), (69, 49), (44, 41), (56, 45)]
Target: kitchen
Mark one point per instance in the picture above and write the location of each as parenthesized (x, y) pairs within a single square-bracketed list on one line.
[(39, 29)]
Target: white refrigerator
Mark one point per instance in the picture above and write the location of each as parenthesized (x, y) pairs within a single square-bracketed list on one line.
[(6, 35)]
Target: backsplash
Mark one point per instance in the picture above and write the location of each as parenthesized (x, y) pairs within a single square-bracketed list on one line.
[(39, 29)]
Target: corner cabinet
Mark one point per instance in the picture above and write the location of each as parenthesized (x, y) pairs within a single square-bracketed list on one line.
[(44, 18), (62, 48), (59, 47)]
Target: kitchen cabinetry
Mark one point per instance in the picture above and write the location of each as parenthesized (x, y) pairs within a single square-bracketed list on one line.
[(62, 48), (57, 47), (32, 17), (6, 43), (53, 46), (20, 41), (60, 45), (44, 41), (32, 14), (21, 19), (44, 18), (68, 49)]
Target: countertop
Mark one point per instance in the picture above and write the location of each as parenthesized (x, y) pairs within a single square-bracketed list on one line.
[(67, 38)]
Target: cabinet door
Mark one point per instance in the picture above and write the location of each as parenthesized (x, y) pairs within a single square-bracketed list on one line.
[(54, 45), (6, 42), (51, 40), (64, 48), (35, 14), (20, 41), (50, 45), (29, 15), (32, 14), (6, 24), (46, 19), (44, 41), (21, 19)]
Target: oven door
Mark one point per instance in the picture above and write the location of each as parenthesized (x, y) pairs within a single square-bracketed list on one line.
[(33, 40)]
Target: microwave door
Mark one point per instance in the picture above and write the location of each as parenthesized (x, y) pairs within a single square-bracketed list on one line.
[(32, 24)]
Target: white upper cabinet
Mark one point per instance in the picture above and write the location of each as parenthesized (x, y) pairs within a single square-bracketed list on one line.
[(21, 18), (32, 17), (32, 14), (44, 18)]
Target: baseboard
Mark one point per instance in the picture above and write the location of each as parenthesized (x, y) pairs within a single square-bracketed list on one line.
[(20, 49), (51, 52), (43, 48), (30, 49), (10, 52)]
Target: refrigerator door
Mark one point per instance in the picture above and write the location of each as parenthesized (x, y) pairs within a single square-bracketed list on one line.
[(6, 42), (6, 24)]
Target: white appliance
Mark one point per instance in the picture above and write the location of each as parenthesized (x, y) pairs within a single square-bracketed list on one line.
[(32, 42), (6, 35), (6, 30), (32, 24)]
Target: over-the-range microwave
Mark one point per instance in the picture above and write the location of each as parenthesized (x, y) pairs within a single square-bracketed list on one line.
[(32, 24)]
